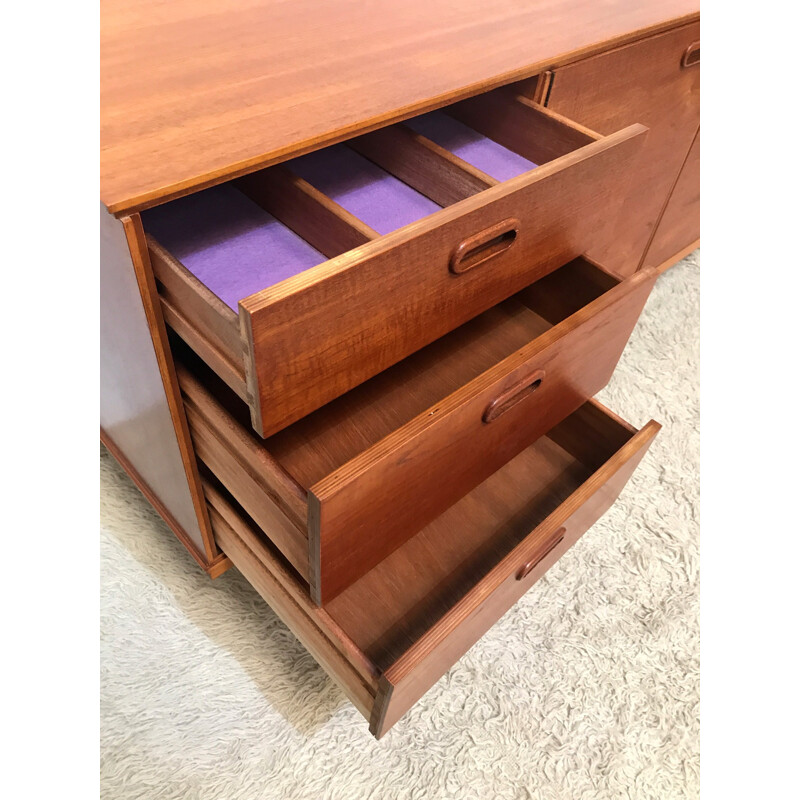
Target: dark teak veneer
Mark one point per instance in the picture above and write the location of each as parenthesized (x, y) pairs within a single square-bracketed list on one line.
[(351, 327)]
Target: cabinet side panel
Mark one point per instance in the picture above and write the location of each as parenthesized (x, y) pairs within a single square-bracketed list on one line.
[(134, 413)]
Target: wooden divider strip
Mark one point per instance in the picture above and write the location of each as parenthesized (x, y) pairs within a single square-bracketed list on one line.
[(422, 164), (521, 125), (310, 213)]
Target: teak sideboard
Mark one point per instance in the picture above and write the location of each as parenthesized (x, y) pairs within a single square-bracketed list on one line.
[(363, 268)]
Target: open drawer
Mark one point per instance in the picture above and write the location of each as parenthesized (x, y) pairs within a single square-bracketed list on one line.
[(391, 635), (342, 488), (299, 282)]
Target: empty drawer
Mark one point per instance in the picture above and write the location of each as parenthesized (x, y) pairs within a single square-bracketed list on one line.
[(390, 636), (301, 281), (345, 486)]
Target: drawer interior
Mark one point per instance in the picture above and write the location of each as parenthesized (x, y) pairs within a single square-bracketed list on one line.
[(229, 243), (391, 634), (388, 609), (242, 268), (385, 612), (324, 441), (367, 191), (346, 485), (240, 238), (482, 152)]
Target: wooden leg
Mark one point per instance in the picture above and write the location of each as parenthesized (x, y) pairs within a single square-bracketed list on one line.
[(142, 419)]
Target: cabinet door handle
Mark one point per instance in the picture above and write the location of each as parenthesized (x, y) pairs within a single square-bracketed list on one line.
[(478, 249), (509, 398), (691, 57)]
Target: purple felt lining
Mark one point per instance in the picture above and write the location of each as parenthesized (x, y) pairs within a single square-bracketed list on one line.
[(229, 243), (363, 188), (236, 248), (492, 158)]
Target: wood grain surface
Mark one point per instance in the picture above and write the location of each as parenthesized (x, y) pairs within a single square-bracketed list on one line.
[(355, 310), (269, 478), (215, 321), (387, 638), (679, 226), (263, 567), (450, 637), (391, 607), (232, 471), (396, 451), (223, 419), (422, 164), (141, 411), (419, 470), (642, 82), (193, 94), (522, 126), (313, 216)]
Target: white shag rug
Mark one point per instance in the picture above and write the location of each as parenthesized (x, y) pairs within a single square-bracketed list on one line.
[(588, 688)]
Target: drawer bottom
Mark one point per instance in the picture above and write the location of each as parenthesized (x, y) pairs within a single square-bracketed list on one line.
[(392, 634)]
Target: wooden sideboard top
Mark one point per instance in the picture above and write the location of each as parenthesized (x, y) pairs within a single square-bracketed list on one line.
[(195, 92)]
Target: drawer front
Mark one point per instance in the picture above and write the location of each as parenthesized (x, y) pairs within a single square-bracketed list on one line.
[(655, 82), (314, 336), (436, 651), (414, 474)]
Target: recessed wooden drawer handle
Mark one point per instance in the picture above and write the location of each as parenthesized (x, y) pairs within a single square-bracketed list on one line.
[(518, 392), (478, 249), (692, 55), (556, 540)]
